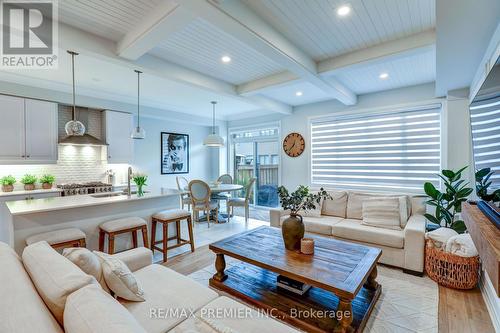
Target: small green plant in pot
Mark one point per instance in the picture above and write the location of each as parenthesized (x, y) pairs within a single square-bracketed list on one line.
[(296, 202), (47, 181), (29, 182), (483, 182), (447, 205), (140, 180), (8, 183)]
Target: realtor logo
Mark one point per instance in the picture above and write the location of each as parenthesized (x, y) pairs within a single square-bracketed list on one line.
[(29, 34)]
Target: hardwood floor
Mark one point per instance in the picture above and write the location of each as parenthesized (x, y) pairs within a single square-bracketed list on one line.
[(459, 311)]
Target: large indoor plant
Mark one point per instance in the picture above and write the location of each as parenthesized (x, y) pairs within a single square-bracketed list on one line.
[(296, 202), (29, 182), (483, 182), (448, 204), (47, 181), (8, 183)]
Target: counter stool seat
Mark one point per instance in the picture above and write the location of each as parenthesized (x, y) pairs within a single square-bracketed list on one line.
[(120, 226), (170, 216), (70, 237)]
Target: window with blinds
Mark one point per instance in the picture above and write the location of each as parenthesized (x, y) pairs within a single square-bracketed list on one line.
[(485, 123), (396, 151)]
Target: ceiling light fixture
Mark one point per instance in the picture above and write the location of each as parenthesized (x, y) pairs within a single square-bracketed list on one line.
[(298, 93), (138, 132), (226, 59), (343, 10), (213, 140), (383, 76)]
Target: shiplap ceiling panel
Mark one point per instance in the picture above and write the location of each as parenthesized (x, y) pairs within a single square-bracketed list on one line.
[(287, 93), (315, 27), (200, 46), (110, 19), (403, 72)]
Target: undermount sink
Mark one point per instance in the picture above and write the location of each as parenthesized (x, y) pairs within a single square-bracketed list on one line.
[(107, 195)]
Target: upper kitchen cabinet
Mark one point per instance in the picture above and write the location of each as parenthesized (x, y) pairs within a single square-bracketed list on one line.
[(28, 131), (118, 126)]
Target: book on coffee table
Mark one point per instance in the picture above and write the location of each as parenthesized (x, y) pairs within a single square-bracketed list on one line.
[(292, 285)]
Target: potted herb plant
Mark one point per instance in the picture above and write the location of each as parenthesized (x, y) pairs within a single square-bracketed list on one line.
[(448, 204), (140, 180), (47, 181), (298, 201), (8, 183), (483, 182), (29, 182)]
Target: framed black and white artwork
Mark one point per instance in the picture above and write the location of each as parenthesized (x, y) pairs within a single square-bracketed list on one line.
[(174, 153)]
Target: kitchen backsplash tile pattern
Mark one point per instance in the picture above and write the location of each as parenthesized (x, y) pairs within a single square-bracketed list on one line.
[(75, 164)]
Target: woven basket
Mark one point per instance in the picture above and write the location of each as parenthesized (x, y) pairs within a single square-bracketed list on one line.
[(450, 270)]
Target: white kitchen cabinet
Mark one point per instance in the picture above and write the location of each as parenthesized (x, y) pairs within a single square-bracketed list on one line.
[(28, 131), (12, 134), (29, 196), (118, 127), (41, 131)]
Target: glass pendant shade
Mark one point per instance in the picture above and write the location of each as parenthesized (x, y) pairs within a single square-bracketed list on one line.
[(213, 139), (138, 133), (74, 127)]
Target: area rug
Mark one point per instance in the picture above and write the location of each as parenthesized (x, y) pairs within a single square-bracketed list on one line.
[(408, 304)]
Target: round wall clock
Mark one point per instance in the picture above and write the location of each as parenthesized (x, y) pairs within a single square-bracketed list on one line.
[(294, 144)]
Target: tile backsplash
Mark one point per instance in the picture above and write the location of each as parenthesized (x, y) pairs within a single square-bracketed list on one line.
[(76, 164)]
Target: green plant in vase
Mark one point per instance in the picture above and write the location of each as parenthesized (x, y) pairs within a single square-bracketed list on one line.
[(301, 200), (47, 181), (8, 183), (448, 204), (140, 180), (29, 182)]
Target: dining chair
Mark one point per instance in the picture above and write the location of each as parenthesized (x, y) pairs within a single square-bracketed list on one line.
[(201, 200), (241, 202), (182, 184), (223, 179)]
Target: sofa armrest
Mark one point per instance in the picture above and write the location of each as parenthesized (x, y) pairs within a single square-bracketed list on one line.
[(414, 244), (136, 258), (275, 215)]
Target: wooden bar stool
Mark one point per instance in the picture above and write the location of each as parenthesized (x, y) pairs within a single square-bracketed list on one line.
[(58, 239), (121, 226), (170, 216)]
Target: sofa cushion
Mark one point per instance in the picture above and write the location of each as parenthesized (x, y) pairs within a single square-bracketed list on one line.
[(335, 206), (92, 310), (382, 213), (355, 204), (21, 308), (318, 225), (88, 262), (227, 315), (355, 230), (166, 289), (54, 276)]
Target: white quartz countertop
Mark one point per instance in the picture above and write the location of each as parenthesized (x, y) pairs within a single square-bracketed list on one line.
[(21, 207), (23, 192)]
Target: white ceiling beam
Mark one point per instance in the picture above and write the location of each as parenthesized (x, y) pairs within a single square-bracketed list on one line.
[(383, 52), (235, 18), (166, 18)]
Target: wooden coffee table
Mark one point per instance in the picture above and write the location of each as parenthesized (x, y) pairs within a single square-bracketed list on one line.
[(342, 275)]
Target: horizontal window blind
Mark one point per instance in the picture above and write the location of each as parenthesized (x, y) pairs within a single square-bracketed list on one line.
[(396, 151), (485, 123)]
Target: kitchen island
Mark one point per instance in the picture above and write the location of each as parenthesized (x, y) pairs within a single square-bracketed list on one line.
[(23, 218)]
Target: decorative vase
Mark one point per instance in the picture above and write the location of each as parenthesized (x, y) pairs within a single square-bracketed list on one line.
[(293, 231), (7, 188), (29, 187), (140, 191), (46, 186)]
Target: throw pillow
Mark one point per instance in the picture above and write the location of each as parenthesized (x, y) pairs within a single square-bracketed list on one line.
[(382, 213), (313, 212), (120, 279), (88, 262), (336, 206)]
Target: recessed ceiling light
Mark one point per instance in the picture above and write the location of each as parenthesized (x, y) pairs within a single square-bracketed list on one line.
[(383, 76), (343, 10), (226, 59), (298, 93)]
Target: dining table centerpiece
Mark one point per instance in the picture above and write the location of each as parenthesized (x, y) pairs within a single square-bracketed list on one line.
[(140, 180), (298, 202)]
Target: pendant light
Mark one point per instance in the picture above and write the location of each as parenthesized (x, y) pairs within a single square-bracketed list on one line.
[(74, 127), (213, 140), (138, 133)]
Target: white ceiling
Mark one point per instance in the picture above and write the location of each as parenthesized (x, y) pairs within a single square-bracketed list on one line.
[(287, 93), (315, 27)]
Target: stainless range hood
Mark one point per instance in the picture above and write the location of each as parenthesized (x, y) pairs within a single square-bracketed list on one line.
[(85, 139)]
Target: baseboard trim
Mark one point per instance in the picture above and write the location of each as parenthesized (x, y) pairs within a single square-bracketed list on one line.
[(491, 299)]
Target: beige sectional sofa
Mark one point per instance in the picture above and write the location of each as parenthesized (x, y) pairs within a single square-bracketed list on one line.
[(342, 218), (45, 292)]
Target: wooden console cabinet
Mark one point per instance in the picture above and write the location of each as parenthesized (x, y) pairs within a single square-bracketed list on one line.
[(486, 237)]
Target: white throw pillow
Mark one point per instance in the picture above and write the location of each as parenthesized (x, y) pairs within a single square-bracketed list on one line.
[(88, 262), (439, 237), (336, 206), (313, 212), (120, 279), (382, 213)]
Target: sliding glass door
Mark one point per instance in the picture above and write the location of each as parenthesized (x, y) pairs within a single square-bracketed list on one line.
[(255, 154)]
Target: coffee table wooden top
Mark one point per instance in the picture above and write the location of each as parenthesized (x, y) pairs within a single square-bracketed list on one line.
[(337, 266)]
